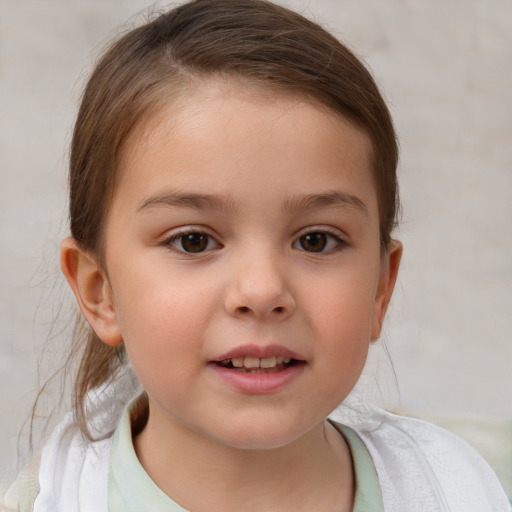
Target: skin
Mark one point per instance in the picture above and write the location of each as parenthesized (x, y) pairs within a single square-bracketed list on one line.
[(256, 282)]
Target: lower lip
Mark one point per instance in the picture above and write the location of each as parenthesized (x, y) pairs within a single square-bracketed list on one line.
[(259, 383)]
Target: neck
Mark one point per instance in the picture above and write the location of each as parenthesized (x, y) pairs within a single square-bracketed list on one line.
[(313, 472)]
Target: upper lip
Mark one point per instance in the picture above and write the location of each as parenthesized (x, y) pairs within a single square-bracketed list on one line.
[(260, 351)]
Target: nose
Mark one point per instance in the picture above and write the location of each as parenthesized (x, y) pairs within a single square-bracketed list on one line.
[(259, 289)]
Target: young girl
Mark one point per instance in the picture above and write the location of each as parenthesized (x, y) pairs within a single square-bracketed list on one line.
[(232, 196)]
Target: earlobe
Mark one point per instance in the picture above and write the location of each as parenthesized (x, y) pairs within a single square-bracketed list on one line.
[(92, 291), (387, 280)]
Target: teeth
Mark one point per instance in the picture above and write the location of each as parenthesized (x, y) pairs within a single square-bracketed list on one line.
[(252, 362), (237, 362), (268, 362), (255, 362)]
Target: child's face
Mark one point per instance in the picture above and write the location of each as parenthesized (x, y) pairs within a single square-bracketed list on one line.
[(245, 230)]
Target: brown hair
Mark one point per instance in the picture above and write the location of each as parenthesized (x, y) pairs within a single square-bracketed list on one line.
[(254, 40)]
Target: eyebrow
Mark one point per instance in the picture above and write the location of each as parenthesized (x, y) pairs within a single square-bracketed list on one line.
[(226, 204), (189, 200), (325, 200)]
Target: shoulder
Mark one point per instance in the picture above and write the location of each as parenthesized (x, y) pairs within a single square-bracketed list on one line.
[(22, 493), (73, 474), (70, 474), (420, 463)]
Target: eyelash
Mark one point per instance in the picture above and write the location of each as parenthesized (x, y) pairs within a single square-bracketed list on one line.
[(322, 235), (331, 237), (180, 236)]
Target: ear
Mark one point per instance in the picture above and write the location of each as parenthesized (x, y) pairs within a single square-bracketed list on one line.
[(92, 291), (387, 279)]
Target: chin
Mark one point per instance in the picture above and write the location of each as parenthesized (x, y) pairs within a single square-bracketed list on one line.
[(260, 436)]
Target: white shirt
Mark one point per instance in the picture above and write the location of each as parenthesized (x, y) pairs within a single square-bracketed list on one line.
[(420, 467)]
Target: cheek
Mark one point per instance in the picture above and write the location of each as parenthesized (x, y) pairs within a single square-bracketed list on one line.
[(343, 303), (160, 304), (162, 326), (340, 314)]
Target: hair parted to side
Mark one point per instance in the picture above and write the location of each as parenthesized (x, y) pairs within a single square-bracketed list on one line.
[(255, 40)]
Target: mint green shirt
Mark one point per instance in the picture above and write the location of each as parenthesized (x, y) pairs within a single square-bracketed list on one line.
[(131, 488)]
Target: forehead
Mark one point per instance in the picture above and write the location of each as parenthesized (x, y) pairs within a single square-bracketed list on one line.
[(226, 128), (198, 95)]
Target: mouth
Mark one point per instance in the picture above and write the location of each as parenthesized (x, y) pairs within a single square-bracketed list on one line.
[(251, 364), (257, 370)]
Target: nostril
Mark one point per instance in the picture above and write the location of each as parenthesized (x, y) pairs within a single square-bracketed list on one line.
[(279, 309), (243, 309)]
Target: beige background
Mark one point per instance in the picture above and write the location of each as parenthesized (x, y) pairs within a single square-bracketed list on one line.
[(446, 69)]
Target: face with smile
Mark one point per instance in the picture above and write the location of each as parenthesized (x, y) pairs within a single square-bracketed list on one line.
[(243, 268)]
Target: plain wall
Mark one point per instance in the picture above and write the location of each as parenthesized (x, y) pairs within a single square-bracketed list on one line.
[(445, 68)]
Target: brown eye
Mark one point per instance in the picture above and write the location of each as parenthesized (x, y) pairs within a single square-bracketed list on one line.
[(190, 241), (194, 242), (313, 242), (320, 242)]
